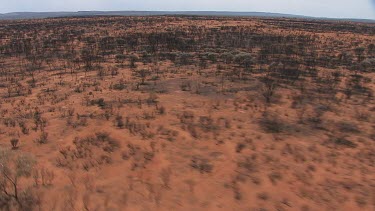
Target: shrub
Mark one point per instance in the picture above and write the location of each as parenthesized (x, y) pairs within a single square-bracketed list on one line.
[(120, 122), (348, 127), (100, 102), (14, 143), (274, 177), (203, 165), (245, 60), (108, 144), (263, 196), (271, 124), (240, 147), (345, 142), (268, 89), (120, 85), (71, 111), (89, 152), (24, 128), (185, 86), (152, 99), (43, 138), (161, 110)]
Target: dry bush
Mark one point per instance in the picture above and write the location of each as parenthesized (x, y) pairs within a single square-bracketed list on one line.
[(139, 128), (119, 122), (268, 89), (201, 126), (342, 141), (202, 165), (24, 128), (348, 127), (43, 138), (272, 123), (43, 176), (138, 157), (14, 142), (121, 85), (263, 196), (274, 177), (247, 165), (165, 176), (90, 152)]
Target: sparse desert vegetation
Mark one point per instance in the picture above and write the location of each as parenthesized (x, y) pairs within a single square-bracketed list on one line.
[(187, 113)]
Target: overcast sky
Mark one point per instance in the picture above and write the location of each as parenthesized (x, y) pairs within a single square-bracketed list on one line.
[(320, 8)]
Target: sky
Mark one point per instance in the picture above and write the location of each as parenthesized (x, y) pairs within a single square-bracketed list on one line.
[(318, 8)]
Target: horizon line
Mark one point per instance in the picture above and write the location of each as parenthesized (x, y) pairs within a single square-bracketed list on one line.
[(187, 11)]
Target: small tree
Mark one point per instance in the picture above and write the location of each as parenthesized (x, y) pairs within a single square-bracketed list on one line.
[(13, 167), (244, 60)]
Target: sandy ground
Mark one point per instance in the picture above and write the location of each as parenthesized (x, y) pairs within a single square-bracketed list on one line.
[(189, 140)]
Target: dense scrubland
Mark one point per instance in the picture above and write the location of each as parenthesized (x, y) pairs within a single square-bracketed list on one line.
[(186, 113)]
